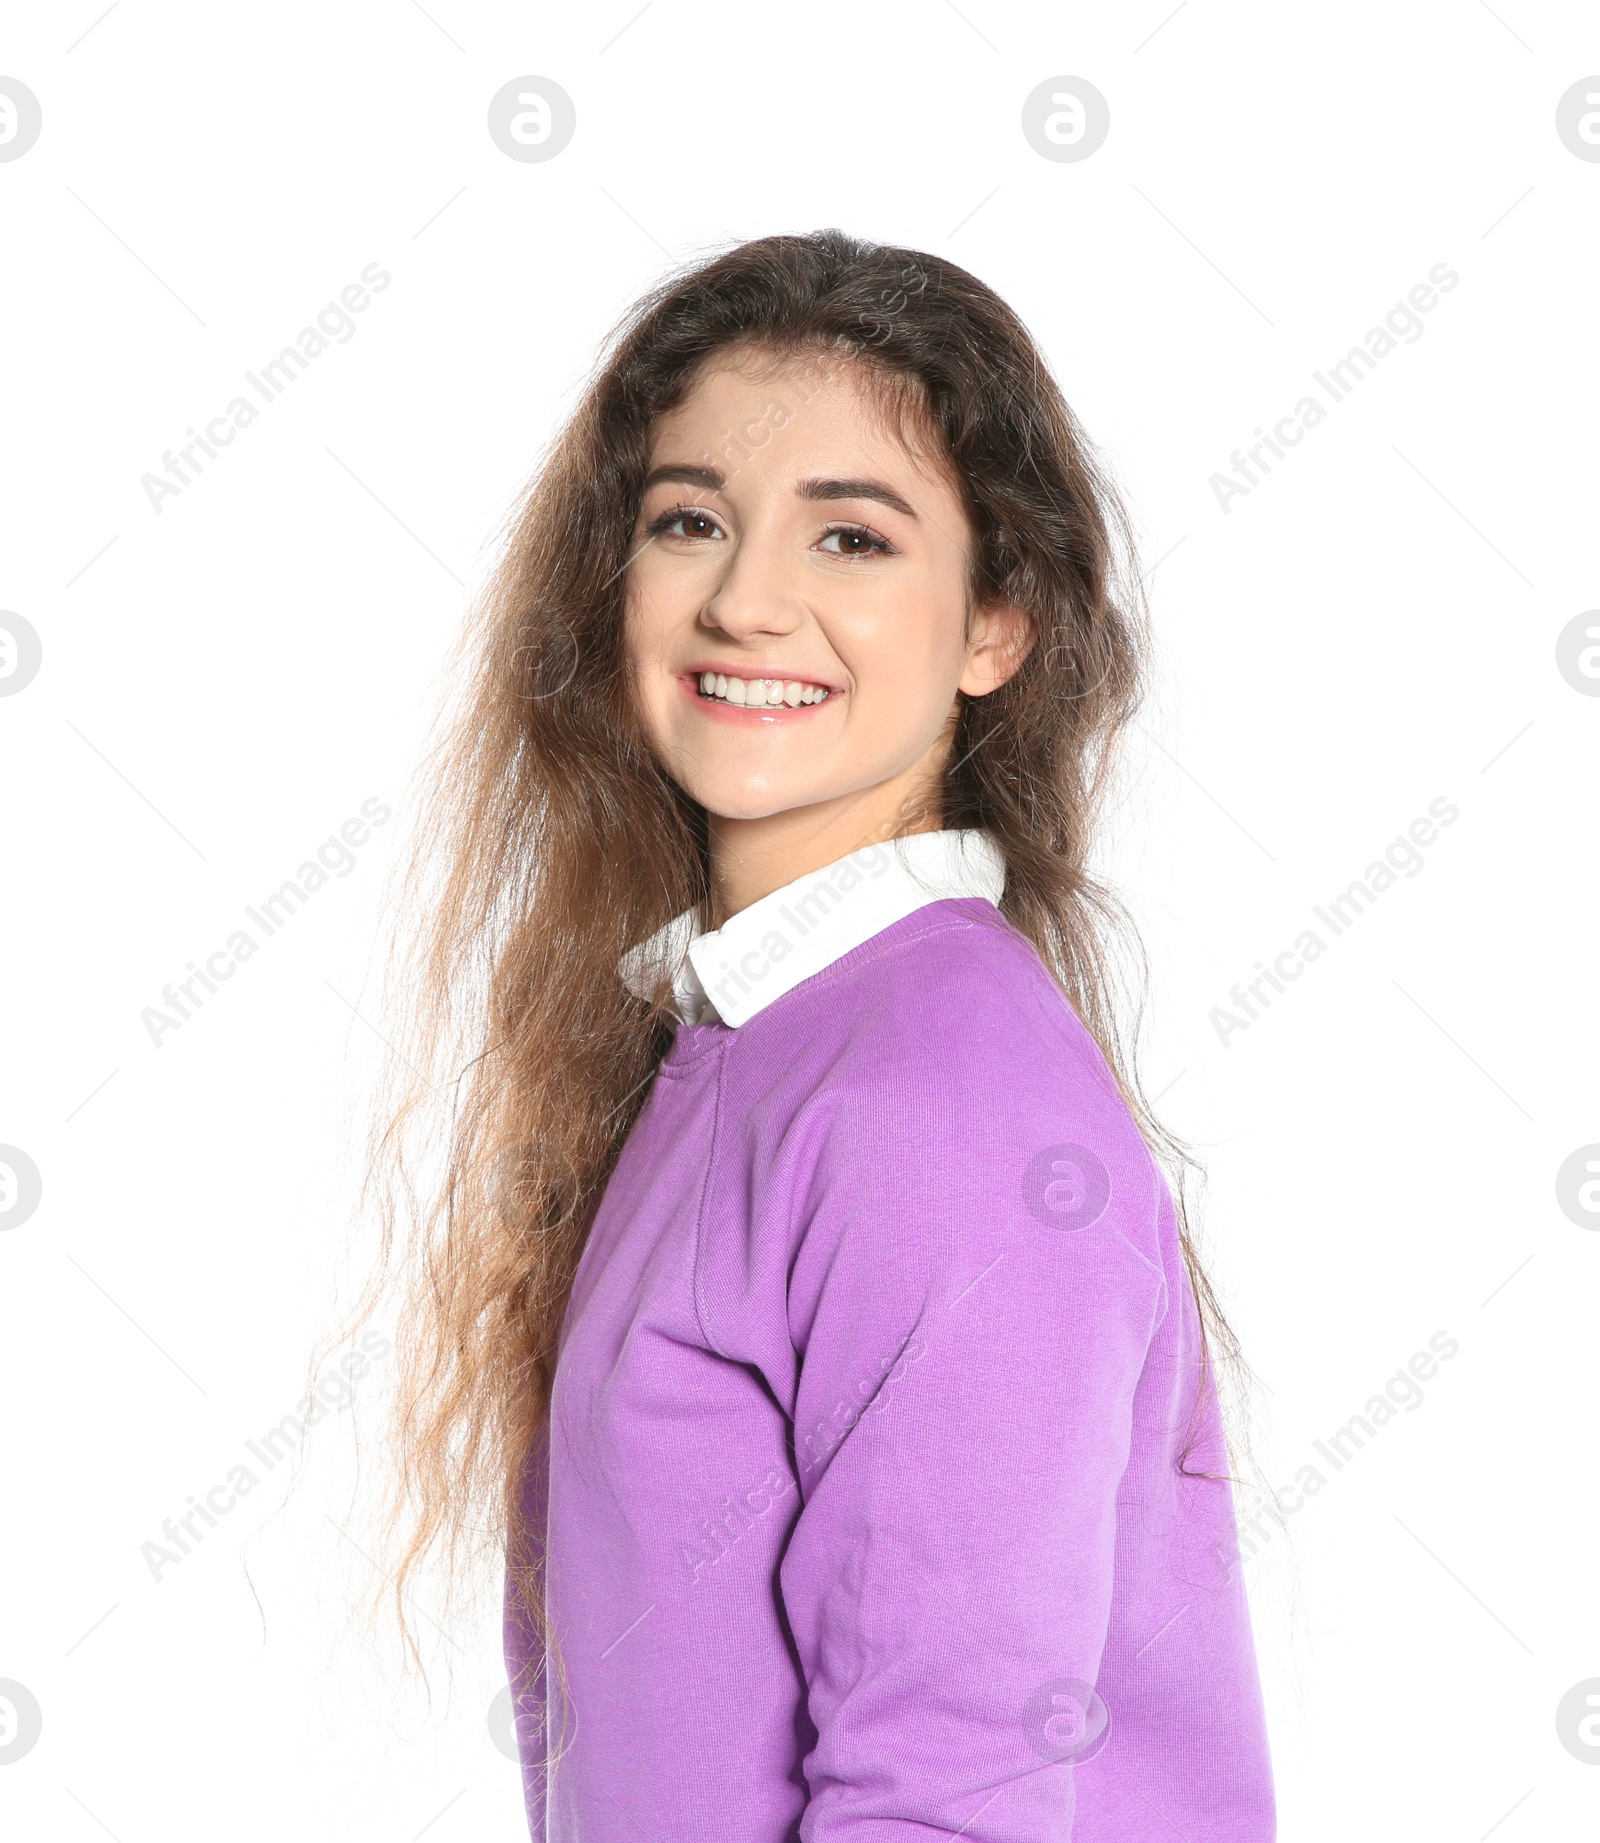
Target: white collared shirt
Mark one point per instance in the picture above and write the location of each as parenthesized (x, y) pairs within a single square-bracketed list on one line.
[(730, 973)]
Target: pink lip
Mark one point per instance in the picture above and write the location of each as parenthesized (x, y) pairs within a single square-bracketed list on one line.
[(737, 713)]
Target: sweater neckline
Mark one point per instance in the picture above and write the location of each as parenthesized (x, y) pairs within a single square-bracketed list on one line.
[(695, 1043), (732, 973)]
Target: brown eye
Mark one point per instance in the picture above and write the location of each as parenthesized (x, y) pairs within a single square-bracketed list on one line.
[(854, 541), (683, 522)]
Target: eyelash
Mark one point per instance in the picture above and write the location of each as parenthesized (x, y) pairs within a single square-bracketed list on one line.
[(880, 546), (662, 520)]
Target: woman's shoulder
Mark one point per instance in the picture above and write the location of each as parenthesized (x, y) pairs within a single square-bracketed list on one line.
[(945, 1045), (934, 1106), (960, 985)]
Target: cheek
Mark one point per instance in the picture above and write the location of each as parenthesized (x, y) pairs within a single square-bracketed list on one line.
[(908, 710), (645, 618), (663, 593), (910, 640)]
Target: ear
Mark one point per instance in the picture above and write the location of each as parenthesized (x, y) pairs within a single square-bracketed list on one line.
[(1002, 637)]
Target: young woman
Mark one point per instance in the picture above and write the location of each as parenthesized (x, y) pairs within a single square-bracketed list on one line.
[(806, 1281)]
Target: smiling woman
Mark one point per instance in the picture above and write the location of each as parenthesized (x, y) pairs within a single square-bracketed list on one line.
[(801, 1212), (800, 631)]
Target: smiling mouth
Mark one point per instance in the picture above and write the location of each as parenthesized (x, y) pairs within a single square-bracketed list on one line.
[(760, 693)]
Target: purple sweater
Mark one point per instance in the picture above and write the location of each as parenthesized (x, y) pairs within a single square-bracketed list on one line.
[(860, 1497)]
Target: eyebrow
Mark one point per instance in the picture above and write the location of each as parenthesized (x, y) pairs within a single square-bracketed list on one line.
[(855, 489), (706, 478), (709, 480)]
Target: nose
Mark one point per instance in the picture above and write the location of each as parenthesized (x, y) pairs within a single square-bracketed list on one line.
[(756, 593)]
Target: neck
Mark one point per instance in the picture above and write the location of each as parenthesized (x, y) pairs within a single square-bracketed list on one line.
[(750, 858)]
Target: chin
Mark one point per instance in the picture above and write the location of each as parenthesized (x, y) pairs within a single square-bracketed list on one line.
[(746, 801), (731, 808)]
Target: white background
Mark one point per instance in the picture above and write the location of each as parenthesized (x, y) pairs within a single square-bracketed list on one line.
[(225, 681)]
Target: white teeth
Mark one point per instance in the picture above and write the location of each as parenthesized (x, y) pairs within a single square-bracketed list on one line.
[(760, 693)]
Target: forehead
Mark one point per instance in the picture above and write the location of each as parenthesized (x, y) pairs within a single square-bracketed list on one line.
[(798, 413)]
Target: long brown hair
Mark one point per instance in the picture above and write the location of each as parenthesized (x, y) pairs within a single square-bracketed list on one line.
[(553, 840)]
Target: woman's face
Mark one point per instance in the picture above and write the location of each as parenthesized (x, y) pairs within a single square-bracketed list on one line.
[(796, 606)]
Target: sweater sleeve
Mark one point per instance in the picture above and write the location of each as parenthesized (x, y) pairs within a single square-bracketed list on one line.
[(973, 1301)]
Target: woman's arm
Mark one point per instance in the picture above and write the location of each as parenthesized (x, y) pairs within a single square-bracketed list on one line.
[(972, 1335)]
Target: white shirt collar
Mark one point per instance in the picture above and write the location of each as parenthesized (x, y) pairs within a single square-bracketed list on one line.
[(730, 973)]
